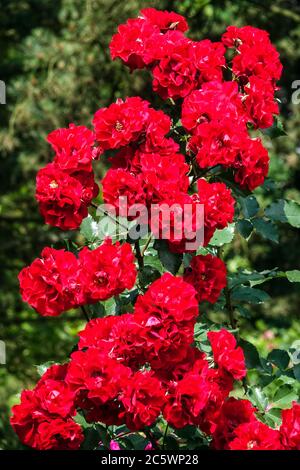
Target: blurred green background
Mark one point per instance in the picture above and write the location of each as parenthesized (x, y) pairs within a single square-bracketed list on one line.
[(56, 65)]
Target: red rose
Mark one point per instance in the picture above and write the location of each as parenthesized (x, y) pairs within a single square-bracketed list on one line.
[(59, 434), (233, 413), (290, 428), (135, 43), (51, 284), (217, 142), (255, 435), (175, 74), (120, 336), (163, 177), (73, 147), (164, 20), (119, 185), (60, 198), (259, 102), (226, 354), (167, 313), (215, 101), (121, 123), (142, 398), (218, 206), (209, 60), (207, 274), (106, 271), (251, 165), (188, 398), (97, 381)]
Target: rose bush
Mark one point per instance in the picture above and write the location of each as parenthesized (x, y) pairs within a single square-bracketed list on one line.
[(151, 369)]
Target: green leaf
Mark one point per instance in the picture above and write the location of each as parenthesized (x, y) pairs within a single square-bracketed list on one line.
[(170, 261), (266, 229), (92, 438), (258, 398), (249, 206), (223, 236), (292, 212), (251, 355), (147, 275), (296, 371), (276, 130), (293, 276), (244, 227), (89, 229), (285, 212), (249, 294), (279, 358), (42, 368), (284, 396)]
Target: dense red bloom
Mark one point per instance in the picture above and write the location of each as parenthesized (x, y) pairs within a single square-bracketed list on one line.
[(135, 43), (255, 435), (59, 434), (120, 336), (165, 20), (121, 123), (290, 428), (175, 74), (215, 100), (208, 276), (163, 177), (61, 198), (179, 219), (218, 206), (261, 60), (226, 354), (51, 284), (143, 399), (106, 271), (167, 313), (188, 397), (122, 189), (217, 142), (73, 147), (252, 164), (43, 419), (209, 60), (234, 36), (233, 413), (259, 102), (97, 381), (256, 55), (221, 384)]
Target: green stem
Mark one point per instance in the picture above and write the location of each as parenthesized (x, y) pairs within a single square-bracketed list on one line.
[(85, 313), (146, 245), (138, 254), (230, 308), (165, 435)]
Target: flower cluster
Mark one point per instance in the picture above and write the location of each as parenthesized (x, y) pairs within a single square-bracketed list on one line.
[(66, 187), (44, 418), (216, 112), (59, 281), (135, 368)]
